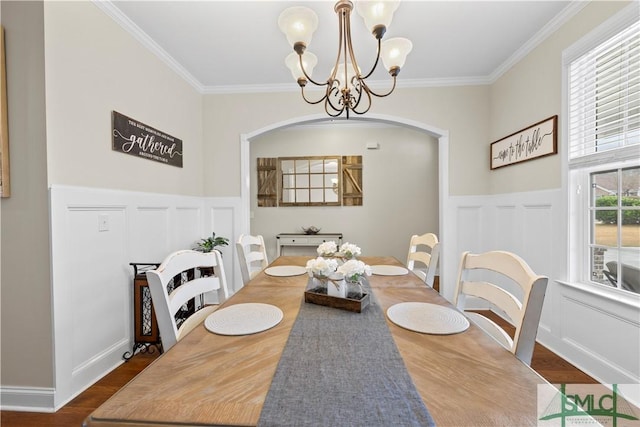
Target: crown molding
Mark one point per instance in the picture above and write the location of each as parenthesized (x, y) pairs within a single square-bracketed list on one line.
[(552, 26), (128, 25), (375, 85)]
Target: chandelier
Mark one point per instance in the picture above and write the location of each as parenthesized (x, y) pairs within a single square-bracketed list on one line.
[(346, 88)]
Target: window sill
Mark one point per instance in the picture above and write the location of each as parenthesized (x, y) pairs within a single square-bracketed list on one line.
[(603, 291)]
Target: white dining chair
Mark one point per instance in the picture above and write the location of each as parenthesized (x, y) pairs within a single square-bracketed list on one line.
[(424, 252), (523, 312), (252, 256), (166, 303)]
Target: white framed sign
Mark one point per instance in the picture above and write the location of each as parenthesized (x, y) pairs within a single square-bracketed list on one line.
[(538, 140)]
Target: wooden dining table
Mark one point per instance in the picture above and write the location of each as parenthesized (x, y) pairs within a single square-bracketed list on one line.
[(464, 379)]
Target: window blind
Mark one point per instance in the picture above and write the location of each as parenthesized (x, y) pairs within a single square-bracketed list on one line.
[(604, 97)]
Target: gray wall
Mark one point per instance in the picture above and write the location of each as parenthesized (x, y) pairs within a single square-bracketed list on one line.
[(26, 282)]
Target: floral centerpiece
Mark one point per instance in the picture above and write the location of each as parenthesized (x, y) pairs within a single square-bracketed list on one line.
[(350, 251), (327, 249), (353, 270), (346, 250), (321, 268), (323, 276), (335, 282)]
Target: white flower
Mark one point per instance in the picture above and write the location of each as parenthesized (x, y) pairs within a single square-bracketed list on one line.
[(321, 267), (327, 248), (349, 250), (353, 269)]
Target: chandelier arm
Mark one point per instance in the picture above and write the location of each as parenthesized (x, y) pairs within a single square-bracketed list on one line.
[(337, 112), (368, 93), (368, 90), (357, 85), (312, 102), (345, 42), (375, 65), (362, 112), (336, 90), (307, 76), (334, 71), (354, 62), (328, 104)]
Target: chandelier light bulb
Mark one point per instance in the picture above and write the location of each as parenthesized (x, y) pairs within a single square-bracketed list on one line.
[(350, 73), (298, 24), (309, 61), (394, 52), (377, 13)]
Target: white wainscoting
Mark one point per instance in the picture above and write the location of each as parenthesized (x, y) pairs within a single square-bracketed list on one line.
[(598, 330), (96, 233)]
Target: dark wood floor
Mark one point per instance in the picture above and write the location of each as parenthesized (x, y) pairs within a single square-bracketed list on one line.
[(550, 366), (79, 408), (553, 368)]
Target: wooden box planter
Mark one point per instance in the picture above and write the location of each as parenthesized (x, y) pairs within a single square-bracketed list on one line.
[(319, 296)]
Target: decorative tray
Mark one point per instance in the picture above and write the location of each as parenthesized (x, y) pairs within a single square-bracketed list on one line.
[(319, 296)]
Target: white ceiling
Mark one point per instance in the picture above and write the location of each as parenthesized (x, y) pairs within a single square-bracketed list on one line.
[(226, 46)]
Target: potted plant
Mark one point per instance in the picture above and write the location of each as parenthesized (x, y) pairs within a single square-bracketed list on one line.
[(211, 243), (208, 245)]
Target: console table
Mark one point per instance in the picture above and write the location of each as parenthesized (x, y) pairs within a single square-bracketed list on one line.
[(302, 239)]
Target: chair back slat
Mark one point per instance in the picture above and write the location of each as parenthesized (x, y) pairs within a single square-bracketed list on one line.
[(523, 312), (422, 262), (508, 264), (252, 256), (499, 297), (184, 293), (167, 304)]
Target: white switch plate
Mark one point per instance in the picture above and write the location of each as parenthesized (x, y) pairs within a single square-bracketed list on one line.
[(103, 222)]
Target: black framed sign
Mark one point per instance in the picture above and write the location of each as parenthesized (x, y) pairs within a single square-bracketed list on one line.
[(129, 136), (536, 141)]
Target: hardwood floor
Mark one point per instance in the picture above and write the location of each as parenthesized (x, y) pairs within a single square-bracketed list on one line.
[(74, 413), (553, 368), (550, 366)]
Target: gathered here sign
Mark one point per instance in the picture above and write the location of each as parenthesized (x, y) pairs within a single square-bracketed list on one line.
[(129, 136)]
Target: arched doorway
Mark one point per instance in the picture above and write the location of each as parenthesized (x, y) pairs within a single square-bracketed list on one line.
[(442, 137)]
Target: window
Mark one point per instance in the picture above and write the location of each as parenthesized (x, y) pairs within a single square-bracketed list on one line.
[(603, 99), (614, 212)]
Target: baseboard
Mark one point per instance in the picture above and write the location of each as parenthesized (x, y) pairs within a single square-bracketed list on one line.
[(27, 399), (579, 357)]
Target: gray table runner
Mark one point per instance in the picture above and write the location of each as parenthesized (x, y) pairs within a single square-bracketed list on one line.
[(342, 369)]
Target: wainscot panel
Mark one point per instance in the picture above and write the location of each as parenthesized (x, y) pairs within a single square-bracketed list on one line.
[(96, 233), (574, 319)]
